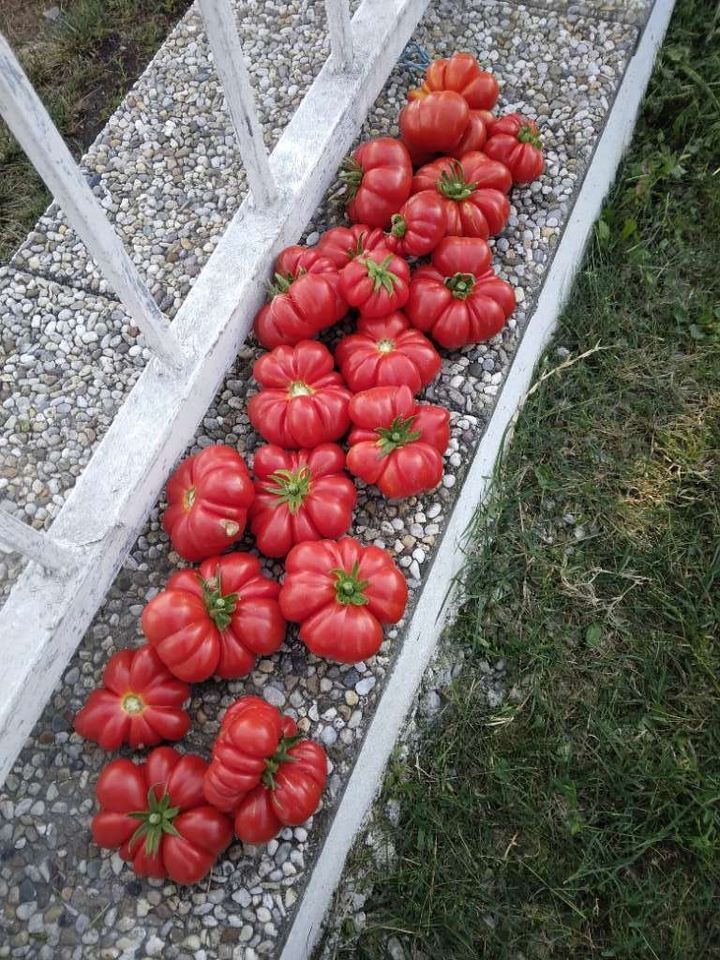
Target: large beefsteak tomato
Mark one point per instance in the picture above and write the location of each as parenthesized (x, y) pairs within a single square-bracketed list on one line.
[(417, 227), (303, 400), (434, 123), (215, 620), (342, 244), (377, 178), (300, 496), (208, 498), (463, 74), (341, 593), (514, 141), (376, 283), (156, 815)]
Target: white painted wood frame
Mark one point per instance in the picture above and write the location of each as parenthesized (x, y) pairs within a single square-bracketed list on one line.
[(338, 17)]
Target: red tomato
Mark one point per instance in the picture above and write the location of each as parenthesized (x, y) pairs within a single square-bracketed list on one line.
[(458, 299), (303, 400), (156, 815), (342, 244), (215, 620), (474, 136), (463, 74), (417, 226), (300, 496), (341, 594), (304, 298), (263, 772), (377, 176), (434, 123), (514, 141), (384, 352), (139, 703), (396, 443), (376, 283), (208, 498), (473, 190)]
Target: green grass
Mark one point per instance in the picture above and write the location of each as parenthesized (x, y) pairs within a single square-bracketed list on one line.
[(81, 68), (582, 818)]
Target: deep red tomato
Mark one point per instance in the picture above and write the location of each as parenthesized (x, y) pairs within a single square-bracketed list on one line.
[(463, 74), (304, 298), (156, 815), (396, 443), (215, 620), (473, 190), (514, 141), (140, 703), (458, 299), (300, 496), (385, 352), (376, 283), (377, 176), (341, 593), (208, 498), (263, 772), (474, 137), (417, 226), (303, 400), (342, 244), (434, 123)]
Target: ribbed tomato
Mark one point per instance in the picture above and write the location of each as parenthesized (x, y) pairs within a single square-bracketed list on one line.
[(376, 283), (215, 620), (263, 772), (208, 498), (458, 299), (397, 443), (433, 123), (463, 74), (377, 177), (139, 703), (417, 227), (342, 244), (386, 352), (300, 496), (514, 141), (303, 400)]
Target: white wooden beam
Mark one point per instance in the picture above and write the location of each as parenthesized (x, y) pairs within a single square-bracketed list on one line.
[(30, 123), (42, 547), (340, 27), (230, 64)]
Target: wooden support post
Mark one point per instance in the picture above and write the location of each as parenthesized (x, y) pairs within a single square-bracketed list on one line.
[(341, 45), (41, 547)]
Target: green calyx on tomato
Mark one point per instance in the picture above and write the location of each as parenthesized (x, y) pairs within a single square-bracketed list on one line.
[(398, 226), (154, 822), (382, 278), (281, 755), (188, 498), (452, 183), (291, 488), (461, 285), (281, 283), (528, 134), (299, 389), (349, 588), (351, 174), (398, 434), (220, 607), (132, 704)]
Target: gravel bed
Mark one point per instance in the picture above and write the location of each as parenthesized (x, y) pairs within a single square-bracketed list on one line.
[(629, 11), (62, 896)]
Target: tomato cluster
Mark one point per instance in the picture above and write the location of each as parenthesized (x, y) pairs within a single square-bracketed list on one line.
[(436, 195)]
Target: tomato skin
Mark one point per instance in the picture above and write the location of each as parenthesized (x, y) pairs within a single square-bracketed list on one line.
[(304, 298), (457, 314), (378, 175), (417, 227), (208, 499), (139, 703), (366, 279), (342, 244), (261, 773), (325, 511), (463, 74), (124, 788), (386, 352), (514, 141), (196, 639), (411, 467), (303, 400), (347, 631), (474, 136), (434, 123), (473, 191)]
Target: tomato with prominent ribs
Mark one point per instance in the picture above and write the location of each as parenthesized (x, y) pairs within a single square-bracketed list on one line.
[(462, 74), (343, 244), (417, 227), (377, 178), (434, 123), (376, 283), (514, 141)]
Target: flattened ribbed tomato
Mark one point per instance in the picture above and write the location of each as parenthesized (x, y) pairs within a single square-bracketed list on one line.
[(515, 142), (376, 283), (462, 73), (377, 177), (417, 227), (434, 123), (385, 352), (473, 190), (343, 244), (303, 400), (139, 703), (341, 593), (304, 298), (215, 620), (263, 772), (458, 299), (300, 496), (397, 443), (208, 498)]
